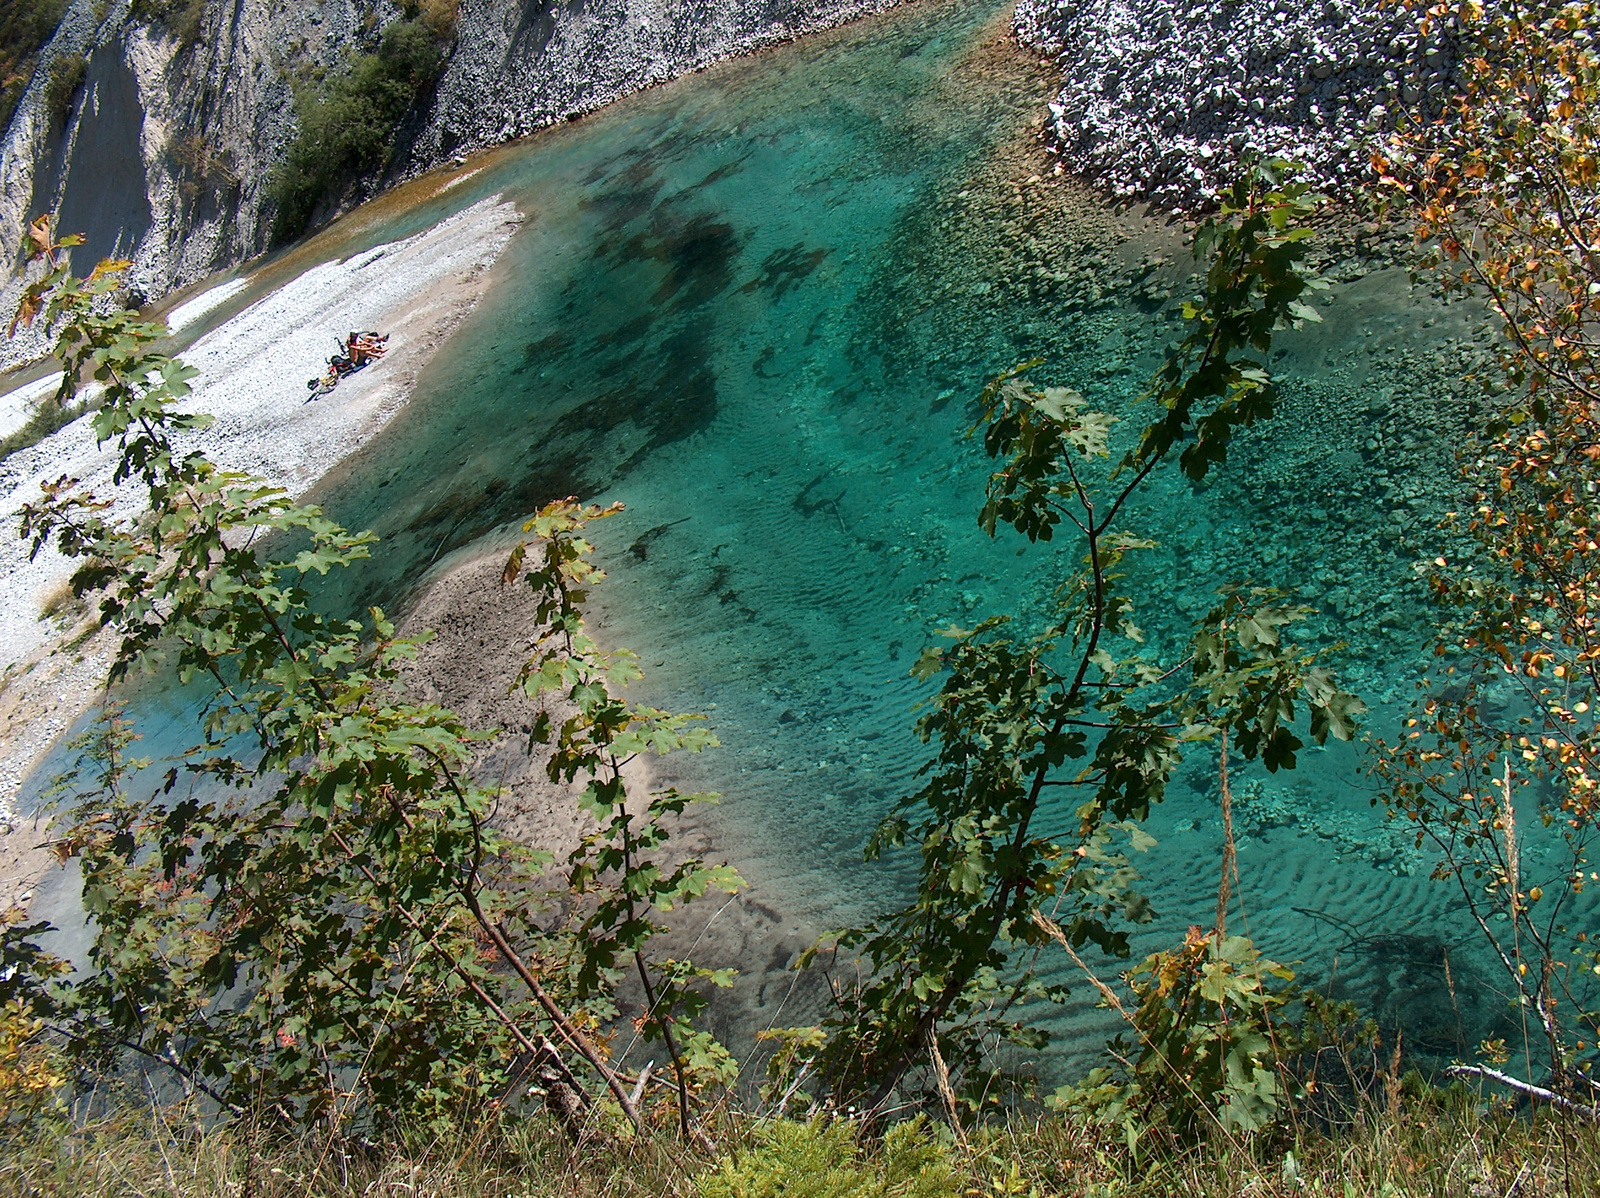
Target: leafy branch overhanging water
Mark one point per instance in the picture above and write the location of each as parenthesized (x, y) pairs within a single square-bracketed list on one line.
[(310, 912), (1079, 708)]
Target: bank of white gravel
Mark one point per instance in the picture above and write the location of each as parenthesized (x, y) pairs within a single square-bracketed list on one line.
[(1160, 99), (18, 405), (253, 373)]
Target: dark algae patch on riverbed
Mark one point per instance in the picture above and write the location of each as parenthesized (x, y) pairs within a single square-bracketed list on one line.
[(674, 242)]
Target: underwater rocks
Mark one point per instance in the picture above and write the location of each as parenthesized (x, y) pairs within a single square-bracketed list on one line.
[(1339, 500), (1161, 98), (1352, 834)]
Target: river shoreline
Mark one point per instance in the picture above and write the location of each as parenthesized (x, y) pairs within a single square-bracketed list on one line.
[(252, 381), (479, 630)]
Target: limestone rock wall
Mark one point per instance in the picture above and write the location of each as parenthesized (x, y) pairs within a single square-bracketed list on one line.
[(165, 155)]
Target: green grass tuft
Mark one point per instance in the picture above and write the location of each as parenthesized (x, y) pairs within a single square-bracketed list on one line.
[(1445, 1144)]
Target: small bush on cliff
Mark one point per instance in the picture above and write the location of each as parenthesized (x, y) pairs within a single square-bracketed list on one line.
[(439, 16), (346, 128), (200, 169), (67, 74), (24, 29), (181, 18)]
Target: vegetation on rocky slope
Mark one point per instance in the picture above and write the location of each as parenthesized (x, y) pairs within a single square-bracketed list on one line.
[(345, 125), (181, 18), (67, 74), (24, 29)]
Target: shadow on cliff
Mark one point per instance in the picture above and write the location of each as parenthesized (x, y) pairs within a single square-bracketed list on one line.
[(95, 179)]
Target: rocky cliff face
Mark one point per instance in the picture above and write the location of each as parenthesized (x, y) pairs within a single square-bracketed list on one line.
[(167, 150)]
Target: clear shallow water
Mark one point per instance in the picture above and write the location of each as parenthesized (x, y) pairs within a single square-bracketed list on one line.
[(748, 306)]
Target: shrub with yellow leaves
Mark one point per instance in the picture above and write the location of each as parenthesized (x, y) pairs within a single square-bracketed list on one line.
[(1500, 769), (30, 1069)]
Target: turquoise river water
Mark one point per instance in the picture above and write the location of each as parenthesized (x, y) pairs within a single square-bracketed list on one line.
[(746, 306)]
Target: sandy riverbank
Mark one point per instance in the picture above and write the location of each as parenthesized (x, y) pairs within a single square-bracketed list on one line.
[(481, 639), (253, 372)]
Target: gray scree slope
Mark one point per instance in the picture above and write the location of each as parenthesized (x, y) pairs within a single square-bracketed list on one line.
[(1161, 97)]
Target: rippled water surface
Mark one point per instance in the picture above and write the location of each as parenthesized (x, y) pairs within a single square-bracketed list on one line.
[(746, 305)]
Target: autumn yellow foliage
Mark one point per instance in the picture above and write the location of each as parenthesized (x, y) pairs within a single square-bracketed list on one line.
[(1500, 768), (29, 1069)]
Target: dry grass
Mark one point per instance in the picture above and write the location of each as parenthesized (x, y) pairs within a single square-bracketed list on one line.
[(1443, 1145)]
